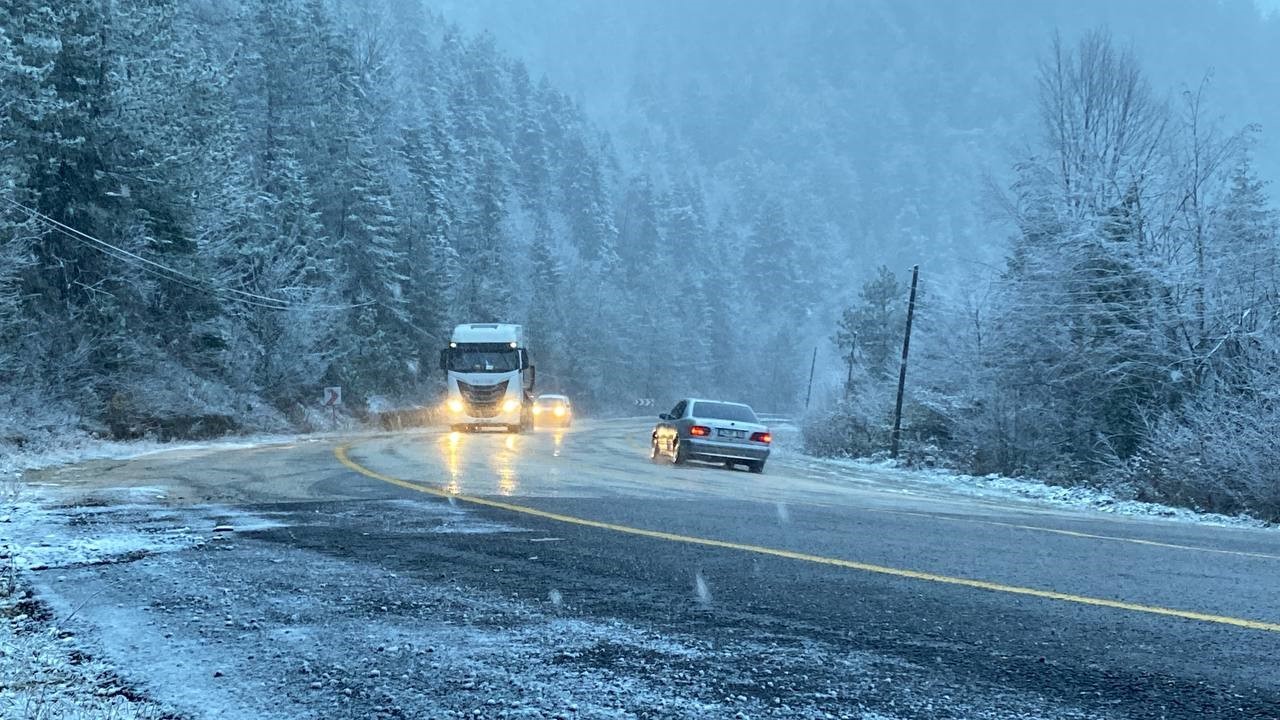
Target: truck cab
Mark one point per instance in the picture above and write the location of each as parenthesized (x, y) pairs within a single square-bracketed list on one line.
[(490, 378)]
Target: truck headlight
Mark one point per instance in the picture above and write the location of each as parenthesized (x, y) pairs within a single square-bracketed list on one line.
[(455, 405), (510, 405)]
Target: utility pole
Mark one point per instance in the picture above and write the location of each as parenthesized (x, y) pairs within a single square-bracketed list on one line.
[(902, 369), (812, 364), (848, 380)]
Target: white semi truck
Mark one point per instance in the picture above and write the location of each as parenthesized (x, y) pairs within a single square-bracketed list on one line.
[(490, 378)]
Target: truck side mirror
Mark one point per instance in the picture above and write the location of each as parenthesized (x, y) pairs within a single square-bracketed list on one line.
[(533, 375), (444, 359)]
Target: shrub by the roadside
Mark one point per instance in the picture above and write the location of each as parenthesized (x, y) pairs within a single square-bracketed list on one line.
[(852, 427), (1216, 459)]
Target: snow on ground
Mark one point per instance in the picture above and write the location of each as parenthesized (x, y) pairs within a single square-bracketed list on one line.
[(990, 487), (79, 448), (43, 674), (254, 626), (109, 527), (788, 443), (46, 671)]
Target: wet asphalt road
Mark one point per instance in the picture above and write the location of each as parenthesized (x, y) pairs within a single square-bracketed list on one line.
[(365, 593)]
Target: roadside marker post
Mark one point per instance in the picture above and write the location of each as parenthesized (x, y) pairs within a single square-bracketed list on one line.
[(332, 399)]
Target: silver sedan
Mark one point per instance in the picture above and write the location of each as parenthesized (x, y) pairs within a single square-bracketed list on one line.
[(711, 431)]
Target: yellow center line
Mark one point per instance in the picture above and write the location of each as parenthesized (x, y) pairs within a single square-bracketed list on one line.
[(341, 453), (1072, 533)]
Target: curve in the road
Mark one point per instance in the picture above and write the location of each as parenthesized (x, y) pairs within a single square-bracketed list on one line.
[(342, 454)]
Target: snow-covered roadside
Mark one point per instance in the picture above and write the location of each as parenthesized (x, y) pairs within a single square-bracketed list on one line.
[(45, 674), (789, 443), (45, 671), (994, 487), (81, 448)]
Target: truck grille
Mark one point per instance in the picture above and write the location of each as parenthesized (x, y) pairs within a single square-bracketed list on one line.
[(484, 401)]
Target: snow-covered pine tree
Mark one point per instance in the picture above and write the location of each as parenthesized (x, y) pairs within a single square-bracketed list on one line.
[(374, 345), (25, 97)]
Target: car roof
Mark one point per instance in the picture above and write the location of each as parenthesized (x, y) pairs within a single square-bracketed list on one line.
[(722, 402)]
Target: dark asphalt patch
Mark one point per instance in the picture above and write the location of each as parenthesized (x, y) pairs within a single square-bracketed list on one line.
[(411, 607), (952, 640)]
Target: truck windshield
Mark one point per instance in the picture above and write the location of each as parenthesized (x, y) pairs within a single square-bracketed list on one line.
[(496, 361)]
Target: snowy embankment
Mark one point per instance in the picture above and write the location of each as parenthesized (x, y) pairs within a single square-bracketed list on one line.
[(1077, 497), (996, 487), (71, 449)]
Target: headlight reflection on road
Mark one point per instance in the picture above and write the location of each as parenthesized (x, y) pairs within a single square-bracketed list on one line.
[(558, 440), (450, 447), (505, 464)]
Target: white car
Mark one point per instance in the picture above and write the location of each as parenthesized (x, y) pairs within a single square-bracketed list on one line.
[(712, 431), (552, 411)]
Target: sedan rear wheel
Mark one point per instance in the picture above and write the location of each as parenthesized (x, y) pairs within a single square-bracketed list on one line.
[(682, 453), (757, 467), (654, 454)]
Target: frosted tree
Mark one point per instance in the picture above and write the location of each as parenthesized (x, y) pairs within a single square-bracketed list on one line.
[(685, 223), (548, 320), (871, 331), (484, 290), (586, 196), (769, 259), (638, 233), (427, 214), (25, 98), (1081, 335), (529, 145)]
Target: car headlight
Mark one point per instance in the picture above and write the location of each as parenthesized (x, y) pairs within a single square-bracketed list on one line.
[(455, 405), (537, 409), (510, 405), (559, 411)]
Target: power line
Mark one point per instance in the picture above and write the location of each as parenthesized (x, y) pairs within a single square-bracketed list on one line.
[(66, 229), (175, 275), (170, 278)]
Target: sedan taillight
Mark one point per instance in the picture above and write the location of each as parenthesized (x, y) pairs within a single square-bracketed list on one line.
[(700, 431), (763, 437)]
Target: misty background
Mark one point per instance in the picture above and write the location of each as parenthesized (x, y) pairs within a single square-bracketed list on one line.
[(212, 209)]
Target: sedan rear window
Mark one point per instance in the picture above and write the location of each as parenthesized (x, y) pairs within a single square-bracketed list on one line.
[(724, 411)]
